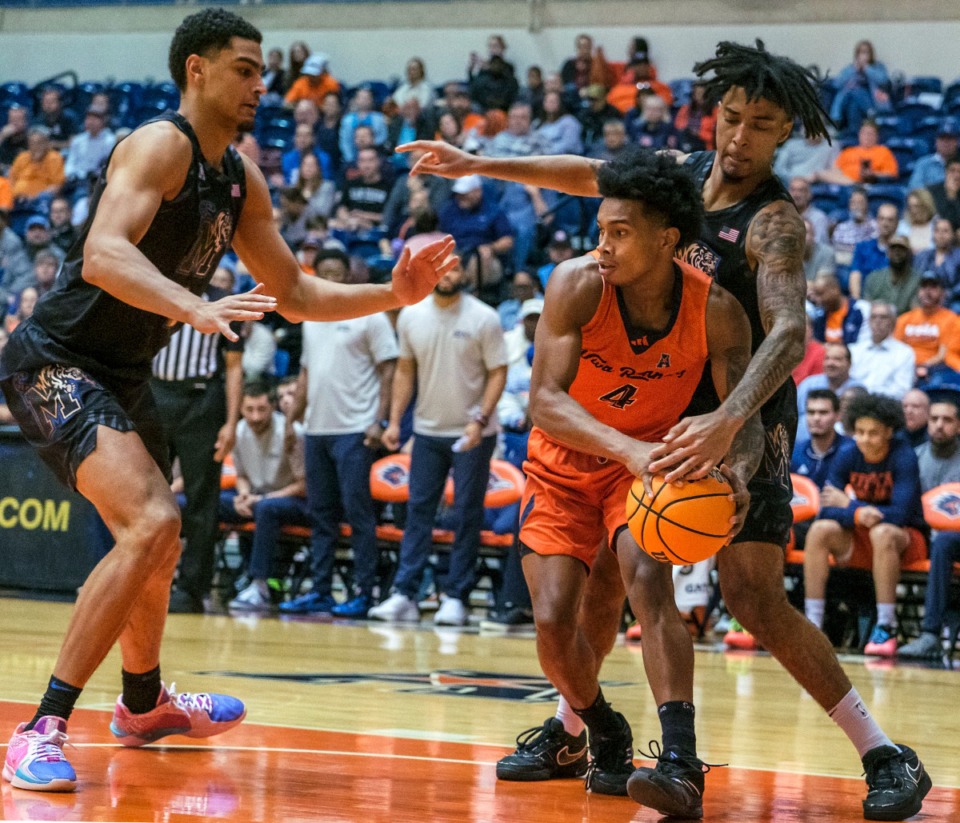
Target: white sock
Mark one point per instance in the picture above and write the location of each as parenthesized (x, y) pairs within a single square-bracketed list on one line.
[(858, 724), (572, 724), (814, 609), (887, 614)]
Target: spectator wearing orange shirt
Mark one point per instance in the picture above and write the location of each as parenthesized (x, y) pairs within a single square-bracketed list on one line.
[(6, 194), (638, 77), (314, 83), (928, 328), (38, 170), (864, 163)]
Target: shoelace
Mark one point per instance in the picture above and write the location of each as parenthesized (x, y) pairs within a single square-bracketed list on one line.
[(677, 759), (191, 702), (531, 738), (883, 774), (49, 747)]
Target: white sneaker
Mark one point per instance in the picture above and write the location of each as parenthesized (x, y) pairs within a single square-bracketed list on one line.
[(256, 597), (397, 608), (452, 612)]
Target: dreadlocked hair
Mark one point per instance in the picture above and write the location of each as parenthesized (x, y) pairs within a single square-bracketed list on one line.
[(771, 77)]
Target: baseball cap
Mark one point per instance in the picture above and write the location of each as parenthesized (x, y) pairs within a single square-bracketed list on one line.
[(311, 241), (595, 91), (37, 220), (948, 128), (465, 185), (559, 239), (930, 277), (899, 240), (315, 65), (532, 306)]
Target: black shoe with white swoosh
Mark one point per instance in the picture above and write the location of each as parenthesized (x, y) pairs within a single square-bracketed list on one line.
[(674, 787), (897, 782), (545, 752)]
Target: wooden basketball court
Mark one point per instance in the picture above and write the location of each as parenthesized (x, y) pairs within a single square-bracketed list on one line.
[(357, 722)]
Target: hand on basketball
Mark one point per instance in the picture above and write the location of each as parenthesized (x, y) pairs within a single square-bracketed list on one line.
[(694, 446), (439, 158), (415, 275), (638, 464), (740, 498), (391, 438), (217, 315)]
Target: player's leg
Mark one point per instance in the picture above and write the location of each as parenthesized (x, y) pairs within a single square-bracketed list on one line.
[(825, 538), (944, 551), (889, 543), (751, 579)]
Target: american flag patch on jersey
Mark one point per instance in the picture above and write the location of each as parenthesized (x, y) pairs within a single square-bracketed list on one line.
[(728, 234), (235, 190)]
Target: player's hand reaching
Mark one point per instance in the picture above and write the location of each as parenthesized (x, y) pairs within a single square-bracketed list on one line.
[(439, 158), (217, 315), (416, 274), (741, 499), (694, 446), (638, 464)]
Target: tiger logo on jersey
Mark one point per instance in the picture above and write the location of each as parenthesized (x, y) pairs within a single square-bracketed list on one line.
[(700, 256)]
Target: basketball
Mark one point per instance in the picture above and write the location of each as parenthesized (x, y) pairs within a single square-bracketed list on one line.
[(681, 525)]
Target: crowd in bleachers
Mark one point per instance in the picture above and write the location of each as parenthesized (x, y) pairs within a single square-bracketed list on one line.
[(881, 205)]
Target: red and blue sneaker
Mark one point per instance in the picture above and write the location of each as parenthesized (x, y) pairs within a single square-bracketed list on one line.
[(35, 759)]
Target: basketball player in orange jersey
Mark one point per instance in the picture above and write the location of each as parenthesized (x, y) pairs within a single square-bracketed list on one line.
[(751, 241), (628, 334), (174, 196)]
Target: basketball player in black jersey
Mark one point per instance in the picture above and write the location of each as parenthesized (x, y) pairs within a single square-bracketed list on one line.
[(752, 242), (174, 196)]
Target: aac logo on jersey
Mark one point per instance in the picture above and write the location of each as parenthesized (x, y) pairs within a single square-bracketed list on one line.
[(664, 361)]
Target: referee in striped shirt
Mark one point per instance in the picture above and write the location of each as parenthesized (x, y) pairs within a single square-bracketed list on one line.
[(197, 383)]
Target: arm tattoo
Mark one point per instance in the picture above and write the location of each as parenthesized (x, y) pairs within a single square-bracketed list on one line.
[(777, 238), (747, 446)]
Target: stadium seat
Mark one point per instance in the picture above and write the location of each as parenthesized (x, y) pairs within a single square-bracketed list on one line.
[(829, 197), (881, 193)]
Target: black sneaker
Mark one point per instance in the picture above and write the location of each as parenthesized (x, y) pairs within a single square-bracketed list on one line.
[(611, 761), (674, 787), (545, 752), (510, 620), (896, 783)]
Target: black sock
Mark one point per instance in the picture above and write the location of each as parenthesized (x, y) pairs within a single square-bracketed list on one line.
[(58, 700), (676, 723), (599, 717), (140, 691)]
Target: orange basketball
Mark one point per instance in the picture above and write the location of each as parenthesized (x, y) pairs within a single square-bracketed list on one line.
[(681, 525)]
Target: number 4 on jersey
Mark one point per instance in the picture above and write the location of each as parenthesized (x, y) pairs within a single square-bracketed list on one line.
[(620, 397)]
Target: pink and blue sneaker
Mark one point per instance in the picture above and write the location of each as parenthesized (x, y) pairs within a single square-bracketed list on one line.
[(192, 715), (35, 759)]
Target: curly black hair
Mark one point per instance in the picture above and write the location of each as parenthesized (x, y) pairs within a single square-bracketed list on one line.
[(204, 32), (877, 407), (664, 187), (768, 76)]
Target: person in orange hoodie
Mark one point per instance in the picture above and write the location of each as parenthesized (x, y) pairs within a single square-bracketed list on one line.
[(314, 83), (639, 75), (38, 170)]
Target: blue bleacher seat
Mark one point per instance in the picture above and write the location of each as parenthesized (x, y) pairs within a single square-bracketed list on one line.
[(910, 113), (829, 197), (924, 85), (881, 193), (163, 95), (907, 150)]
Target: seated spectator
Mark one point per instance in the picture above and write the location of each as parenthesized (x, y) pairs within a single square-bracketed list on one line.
[(928, 328), (559, 248), (533, 92), (343, 397), (362, 199), (595, 115), (837, 319), (270, 491), (519, 339), (38, 170), (858, 226), (638, 76), (523, 287), (863, 89), (410, 124), (46, 266), (917, 221), (804, 157), (835, 377), (496, 48), (696, 122), (292, 216), (274, 76), (813, 456), (449, 129), (6, 419), (813, 351), (13, 135), (803, 199), (399, 207), (314, 82), (649, 124), (327, 130), (939, 461), (916, 415), (495, 85), (932, 168), (415, 87), (320, 193), (943, 260), (613, 142), (817, 256), (559, 130), (37, 238), (871, 255), (304, 143), (517, 139), (883, 364), (579, 70), (456, 100), (845, 426), (25, 303), (16, 268), (63, 234), (90, 149), (480, 228), (58, 123), (296, 57), (866, 162), (525, 207), (361, 114), (946, 195), (899, 282), (880, 527)]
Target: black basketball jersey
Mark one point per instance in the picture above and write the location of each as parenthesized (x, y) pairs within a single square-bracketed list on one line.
[(185, 241), (721, 252)]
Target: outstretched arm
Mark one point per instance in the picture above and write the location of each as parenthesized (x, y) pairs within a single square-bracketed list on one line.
[(565, 173), (300, 297)]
